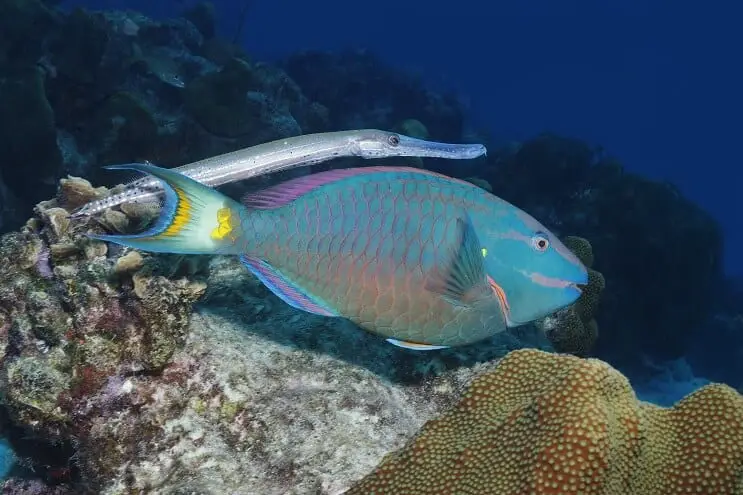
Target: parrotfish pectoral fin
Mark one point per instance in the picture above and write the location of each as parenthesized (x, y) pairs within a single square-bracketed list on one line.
[(416, 347), (194, 219), (284, 288), (462, 280)]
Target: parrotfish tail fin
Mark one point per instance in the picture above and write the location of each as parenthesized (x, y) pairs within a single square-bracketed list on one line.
[(194, 218), (462, 279)]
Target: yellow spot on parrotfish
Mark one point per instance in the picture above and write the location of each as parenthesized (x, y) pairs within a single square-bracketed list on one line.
[(182, 214), (224, 227), (484, 252)]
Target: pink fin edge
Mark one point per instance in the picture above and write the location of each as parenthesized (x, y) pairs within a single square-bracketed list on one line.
[(286, 192), (283, 288)]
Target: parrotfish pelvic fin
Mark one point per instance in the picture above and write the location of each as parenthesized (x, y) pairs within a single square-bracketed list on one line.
[(462, 280), (413, 346), (284, 288), (194, 219)]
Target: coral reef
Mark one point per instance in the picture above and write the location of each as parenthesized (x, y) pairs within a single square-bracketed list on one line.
[(547, 424), (574, 329), (73, 313), (124, 372)]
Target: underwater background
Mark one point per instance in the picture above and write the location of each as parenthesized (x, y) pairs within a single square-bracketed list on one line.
[(617, 125)]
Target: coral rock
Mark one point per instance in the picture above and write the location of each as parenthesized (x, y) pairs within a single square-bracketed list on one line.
[(129, 263), (114, 221), (74, 192), (549, 424), (67, 324)]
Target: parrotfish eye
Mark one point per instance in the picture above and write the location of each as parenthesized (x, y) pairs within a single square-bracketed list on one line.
[(394, 139), (540, 242)]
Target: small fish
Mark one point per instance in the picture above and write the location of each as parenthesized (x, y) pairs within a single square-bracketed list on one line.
[(161, 64), (421, 259)]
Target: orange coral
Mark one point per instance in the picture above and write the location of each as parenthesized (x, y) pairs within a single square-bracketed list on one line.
[(549, 424)]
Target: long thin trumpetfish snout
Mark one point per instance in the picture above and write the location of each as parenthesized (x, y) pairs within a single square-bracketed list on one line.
[(431, 149), (194, 219)]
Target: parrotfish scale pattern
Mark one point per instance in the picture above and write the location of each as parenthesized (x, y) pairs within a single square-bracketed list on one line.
[(364, 247)]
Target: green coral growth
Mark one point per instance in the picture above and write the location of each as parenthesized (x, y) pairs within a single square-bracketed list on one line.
[(33, 389)]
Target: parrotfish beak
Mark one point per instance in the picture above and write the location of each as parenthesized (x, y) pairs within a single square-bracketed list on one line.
[(574, 288), (574, 275), (431, 149), (577, 282)]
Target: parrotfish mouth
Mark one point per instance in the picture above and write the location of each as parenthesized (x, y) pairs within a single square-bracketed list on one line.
[(503, 299), (564, 284), (556, 283)]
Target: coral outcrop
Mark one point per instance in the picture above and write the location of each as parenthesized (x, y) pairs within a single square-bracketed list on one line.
[(556, 424), (574, 330), (72, 314)]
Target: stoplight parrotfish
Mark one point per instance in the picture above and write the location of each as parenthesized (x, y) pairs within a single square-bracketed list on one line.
[(284, 154), (423, 260)]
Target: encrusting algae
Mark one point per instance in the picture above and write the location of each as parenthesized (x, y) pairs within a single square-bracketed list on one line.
[(550, 424), (74, 314)]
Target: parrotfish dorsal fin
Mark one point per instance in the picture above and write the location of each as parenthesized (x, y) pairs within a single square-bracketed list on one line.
[(284, 288), (286, 192), (462, 279)]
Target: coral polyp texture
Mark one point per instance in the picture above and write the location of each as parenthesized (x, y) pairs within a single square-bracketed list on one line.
[(549, 424)]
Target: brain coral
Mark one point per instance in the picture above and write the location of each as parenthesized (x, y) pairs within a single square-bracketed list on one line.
[(549, 424)]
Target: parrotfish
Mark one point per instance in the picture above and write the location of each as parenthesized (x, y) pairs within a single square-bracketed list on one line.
[(423, 260)]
